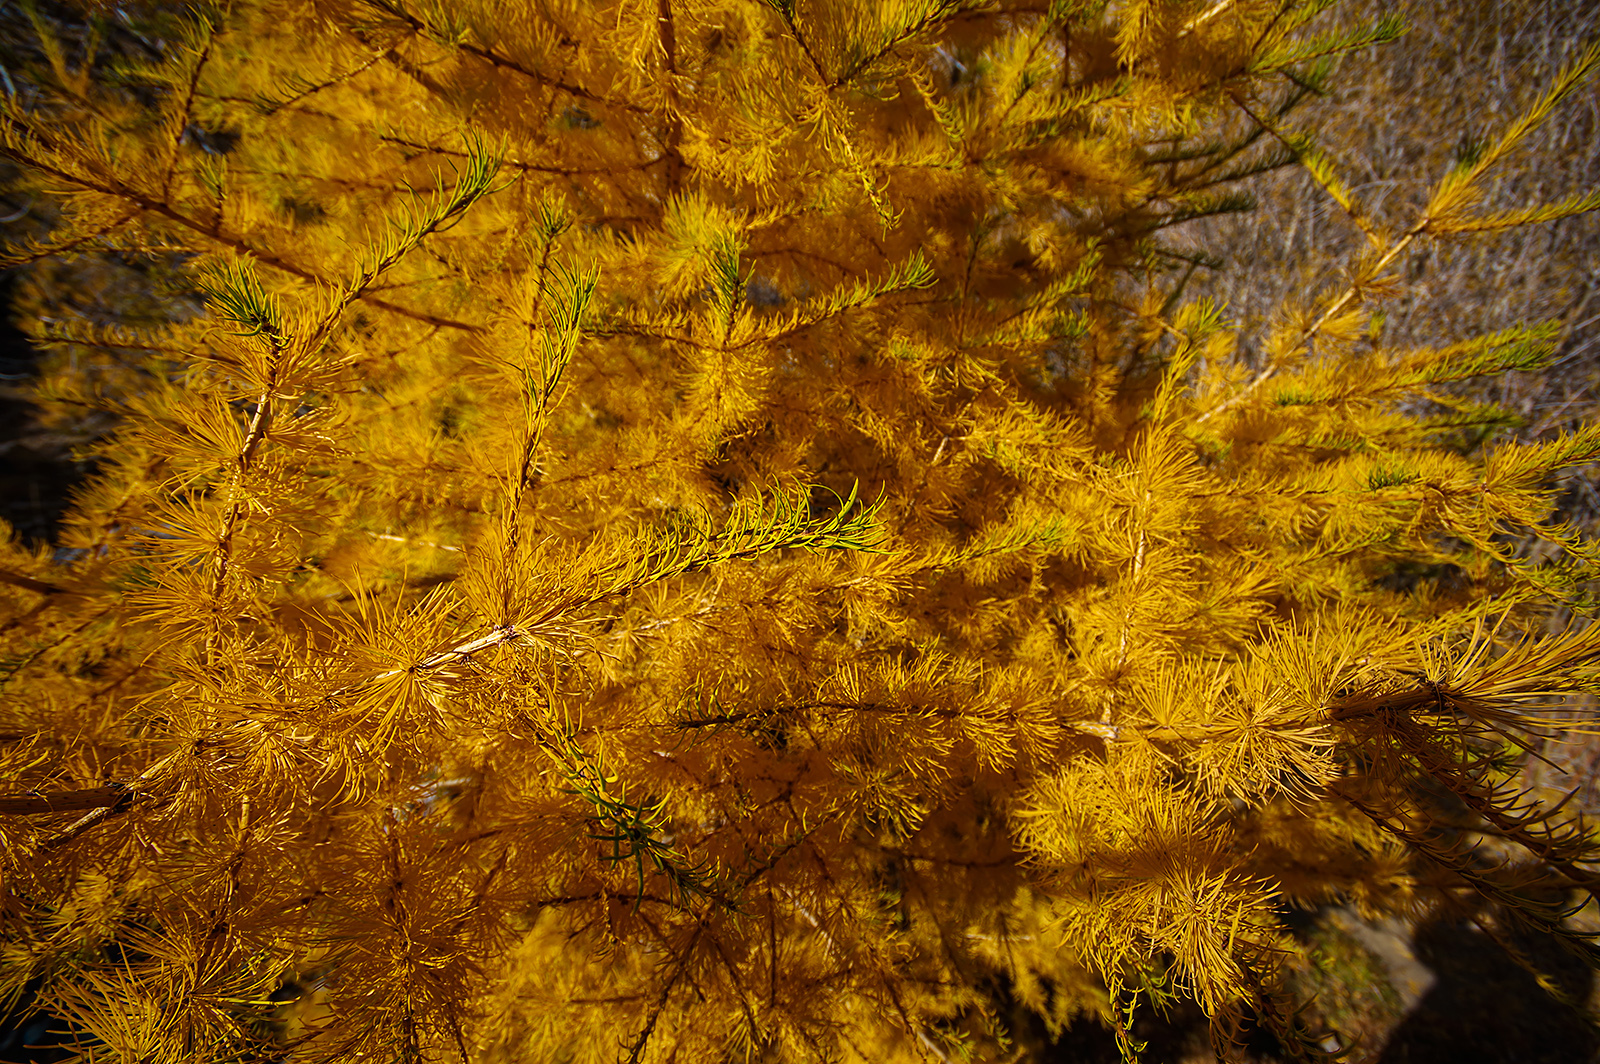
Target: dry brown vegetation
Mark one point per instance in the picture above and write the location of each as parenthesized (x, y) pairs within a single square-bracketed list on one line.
[(1399, 116)]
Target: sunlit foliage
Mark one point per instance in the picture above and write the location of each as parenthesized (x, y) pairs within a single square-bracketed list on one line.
[(707, 530)]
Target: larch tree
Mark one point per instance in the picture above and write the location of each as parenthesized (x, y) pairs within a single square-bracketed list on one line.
[(709, 530)]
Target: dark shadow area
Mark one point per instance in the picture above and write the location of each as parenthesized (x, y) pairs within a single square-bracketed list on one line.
[(38, 471), (29, 1038), (1178, 1035), (1487, 1009), (1168, 1039)]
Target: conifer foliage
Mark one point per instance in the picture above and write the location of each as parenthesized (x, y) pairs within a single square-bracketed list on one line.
[(708, 530)]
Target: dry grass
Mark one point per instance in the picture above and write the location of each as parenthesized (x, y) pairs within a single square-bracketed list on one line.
[(1398, 117)]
